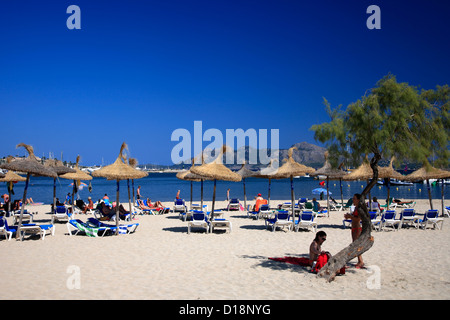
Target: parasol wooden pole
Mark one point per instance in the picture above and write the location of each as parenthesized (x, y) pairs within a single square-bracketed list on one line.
[(54, 195), (429, 194), (132, 186), (191, 193), (442, 195), (292, 201), (10, 185), (268, 201), (245, 196), (342, 194), (23, 205), (129, 196), (201, 201), (328, 198), (117, 208), (73, 194), (214, 200)]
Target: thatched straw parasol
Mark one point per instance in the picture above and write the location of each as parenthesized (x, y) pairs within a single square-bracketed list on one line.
[(331, 174), (60, 169), (426, 173), (245, 173), (10, 177), (290, 169), (30, 165), (192, 177), (76, 176), (119, 170), (217, 171), (389, 173)]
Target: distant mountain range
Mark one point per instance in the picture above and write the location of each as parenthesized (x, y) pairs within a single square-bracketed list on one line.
[(304, 153)]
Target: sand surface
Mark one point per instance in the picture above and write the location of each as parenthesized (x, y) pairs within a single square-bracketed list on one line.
[(161, 261)]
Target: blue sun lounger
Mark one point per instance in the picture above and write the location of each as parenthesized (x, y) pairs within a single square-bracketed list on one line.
[(123, 228)]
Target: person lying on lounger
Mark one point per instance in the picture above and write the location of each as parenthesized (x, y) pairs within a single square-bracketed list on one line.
[(109, 213)]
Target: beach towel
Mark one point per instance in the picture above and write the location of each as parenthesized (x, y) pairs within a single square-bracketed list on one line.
[(302, 261), (259, 202)]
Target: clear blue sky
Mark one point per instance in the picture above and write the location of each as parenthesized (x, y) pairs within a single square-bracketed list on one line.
[(138, 70)]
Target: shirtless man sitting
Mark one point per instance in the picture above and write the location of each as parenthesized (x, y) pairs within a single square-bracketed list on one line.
[(315, 249)]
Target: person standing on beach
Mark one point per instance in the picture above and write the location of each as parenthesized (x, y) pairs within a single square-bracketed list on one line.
[(356, 225), (178, 195), (228, 195), (138, 192)]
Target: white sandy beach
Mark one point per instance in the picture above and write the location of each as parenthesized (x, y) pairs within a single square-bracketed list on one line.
[(161, 261)]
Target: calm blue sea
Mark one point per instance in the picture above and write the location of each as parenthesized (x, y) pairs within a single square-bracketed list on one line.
[(164, 186)]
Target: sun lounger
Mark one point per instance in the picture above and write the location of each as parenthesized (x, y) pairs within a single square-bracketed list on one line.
[(5, 229), (89, 230), (447, 211), (199, 220), (408, 217), (234, 204), (220, 223), (179, 206), (431, 217), (28, 217), (61, 213), (375, 219), (41, 230), (282, 219), (306, 220), (388, 220), (123, 228)]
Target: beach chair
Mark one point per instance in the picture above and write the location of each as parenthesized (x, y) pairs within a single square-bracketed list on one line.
[(234, 205), (265, 212), (123, 228), (392, 205), (179, 206), (409, 204), (388, 219), (220, 223), (431, 217), (26, 217), (282, 219), (306, 220), (199, 220), (256, 214), (447, 212), (375, 219), (36, 229), (61, 213), (408, 217), (141, 211), (5, 229), (81, 227), (301, 201)]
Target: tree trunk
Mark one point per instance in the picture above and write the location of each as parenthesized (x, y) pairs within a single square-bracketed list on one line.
[(365, 240)]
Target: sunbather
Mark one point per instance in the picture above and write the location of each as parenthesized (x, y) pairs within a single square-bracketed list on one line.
[(157, 204), (315, 249), (89, 206), (109, 213)]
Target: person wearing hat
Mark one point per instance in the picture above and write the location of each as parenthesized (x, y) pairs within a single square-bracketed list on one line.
[(90, 205), (259, 201)]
